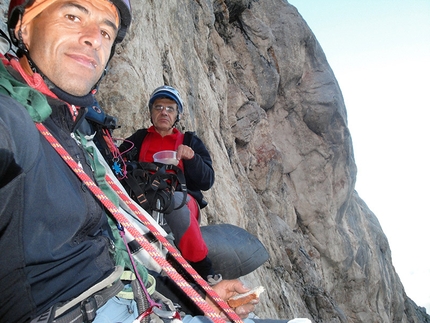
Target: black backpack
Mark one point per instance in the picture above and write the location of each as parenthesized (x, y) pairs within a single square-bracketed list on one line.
[(153, 185)]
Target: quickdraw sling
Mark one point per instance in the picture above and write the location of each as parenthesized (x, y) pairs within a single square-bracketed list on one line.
[(155, 254)]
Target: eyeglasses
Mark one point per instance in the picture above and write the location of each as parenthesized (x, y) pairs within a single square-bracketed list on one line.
[(169, 109)]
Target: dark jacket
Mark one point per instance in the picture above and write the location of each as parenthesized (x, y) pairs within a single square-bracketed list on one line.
[(198, 171), (53, 231)]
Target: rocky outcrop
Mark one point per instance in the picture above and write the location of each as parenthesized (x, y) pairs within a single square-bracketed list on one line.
[(259, 91)]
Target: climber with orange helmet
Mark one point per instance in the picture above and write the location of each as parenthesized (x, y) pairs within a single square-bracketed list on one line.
[(54, 53), (57, 244), (62, 256)]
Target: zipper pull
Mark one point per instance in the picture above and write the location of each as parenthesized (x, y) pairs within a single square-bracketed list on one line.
[(75, 111)]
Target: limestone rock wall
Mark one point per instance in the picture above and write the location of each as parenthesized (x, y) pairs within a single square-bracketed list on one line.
[(259, 92)]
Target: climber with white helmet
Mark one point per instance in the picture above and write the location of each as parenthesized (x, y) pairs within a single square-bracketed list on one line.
[(192, 158)]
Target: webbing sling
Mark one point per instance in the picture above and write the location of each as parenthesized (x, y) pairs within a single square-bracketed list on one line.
[(167, 267)]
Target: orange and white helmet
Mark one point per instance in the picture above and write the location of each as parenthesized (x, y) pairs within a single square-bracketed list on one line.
[(18, 7)]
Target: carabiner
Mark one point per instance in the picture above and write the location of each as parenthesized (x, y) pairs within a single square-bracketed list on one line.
[(149, 311), (174, 315), (120, 227), (167, 314)]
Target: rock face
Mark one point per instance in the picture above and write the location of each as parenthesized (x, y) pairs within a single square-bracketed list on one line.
[(259, 92)]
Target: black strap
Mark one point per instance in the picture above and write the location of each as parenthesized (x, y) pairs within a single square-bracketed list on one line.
[(83, 312), (138, 193), (86, 312), (151, 181), (45, 317), (176, 180), (135, 247)]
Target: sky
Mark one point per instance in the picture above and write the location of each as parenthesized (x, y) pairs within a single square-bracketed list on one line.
[(379, 51)]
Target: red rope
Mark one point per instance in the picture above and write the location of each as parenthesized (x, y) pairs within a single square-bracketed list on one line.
[(155, 254), (174, 252)]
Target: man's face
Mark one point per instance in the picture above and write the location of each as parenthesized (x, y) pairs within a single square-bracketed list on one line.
[(71, 41), (163, 114)]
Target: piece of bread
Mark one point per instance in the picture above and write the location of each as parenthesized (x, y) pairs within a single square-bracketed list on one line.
[(245, 298)]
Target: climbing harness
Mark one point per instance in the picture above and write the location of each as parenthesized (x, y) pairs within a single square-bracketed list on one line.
[(126, 224), (153, 186)]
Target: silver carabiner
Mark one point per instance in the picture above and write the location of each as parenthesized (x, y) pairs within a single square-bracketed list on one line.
[(174, 315)]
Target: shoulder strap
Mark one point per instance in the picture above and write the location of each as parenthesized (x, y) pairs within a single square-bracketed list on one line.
[(140, 141), (34, 101), (188, 136)]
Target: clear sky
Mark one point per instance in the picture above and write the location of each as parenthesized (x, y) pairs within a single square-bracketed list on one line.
[(379, 51)]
